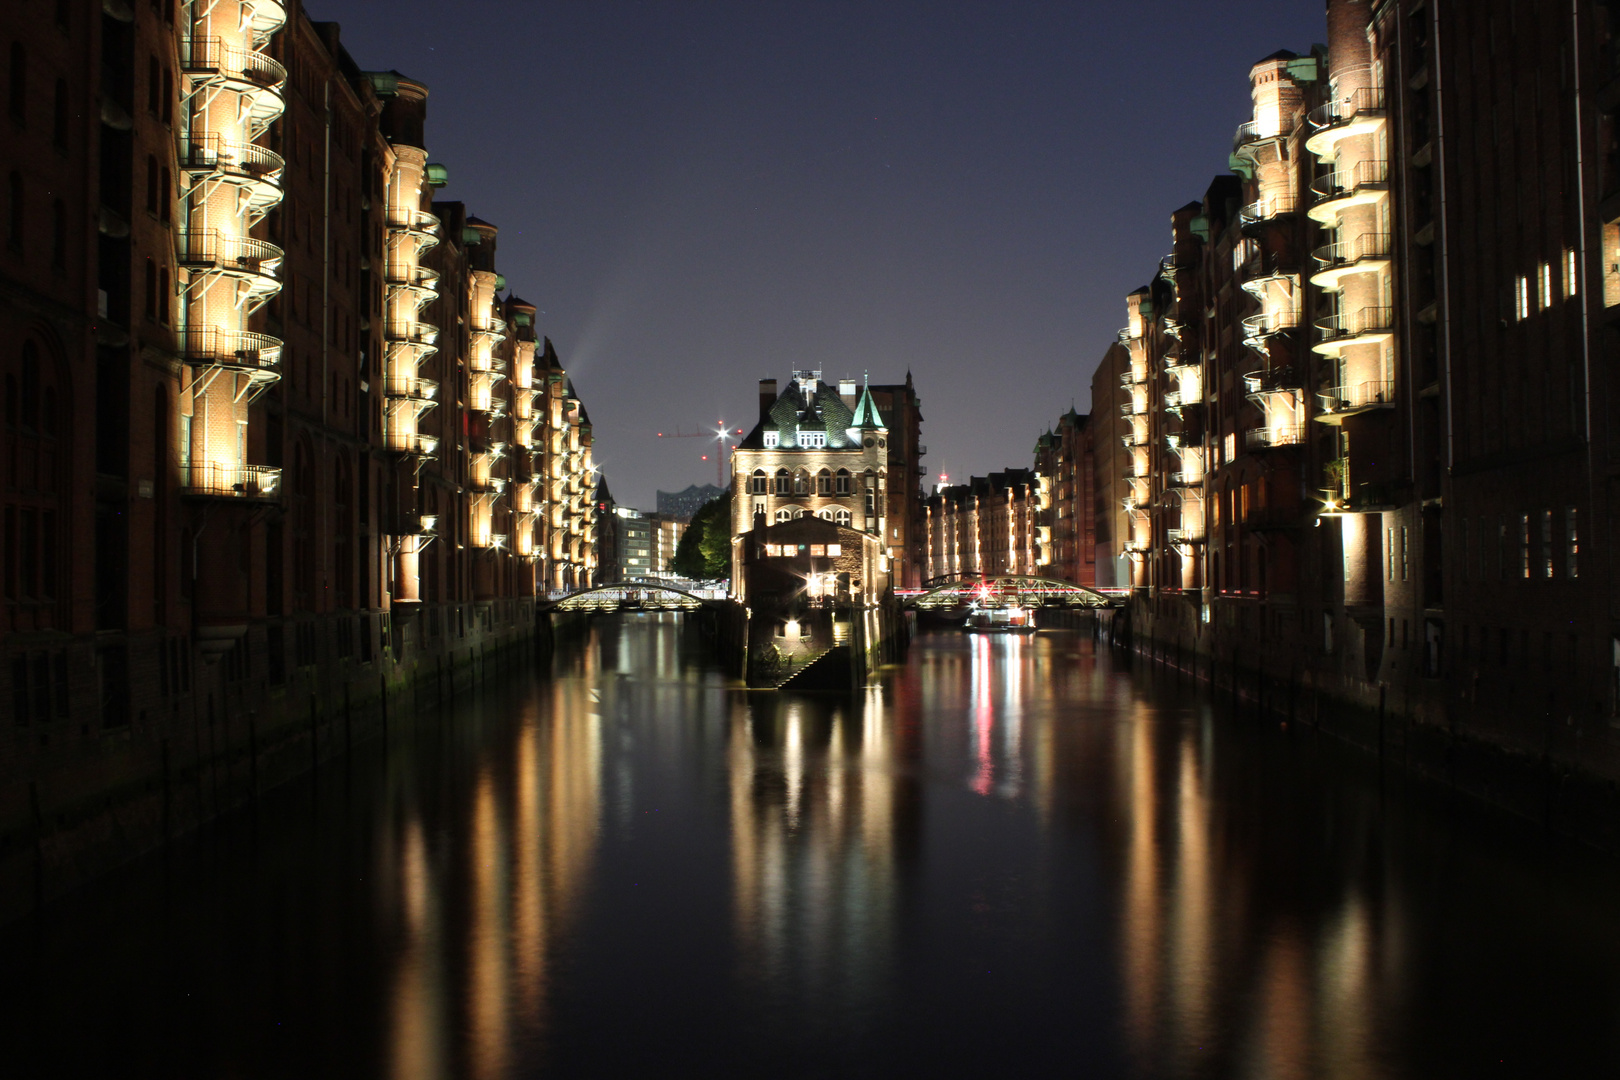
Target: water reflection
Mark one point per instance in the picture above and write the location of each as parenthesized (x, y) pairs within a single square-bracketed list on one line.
[(1009, 858)]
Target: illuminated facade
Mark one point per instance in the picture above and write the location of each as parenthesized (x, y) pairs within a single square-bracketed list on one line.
[(818, 452), (1358, 409), (278, 440), (990, 525)]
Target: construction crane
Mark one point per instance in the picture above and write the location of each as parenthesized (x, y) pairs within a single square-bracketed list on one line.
[(720, 434)]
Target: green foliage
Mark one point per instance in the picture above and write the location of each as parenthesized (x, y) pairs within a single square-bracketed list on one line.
[(704, 552)]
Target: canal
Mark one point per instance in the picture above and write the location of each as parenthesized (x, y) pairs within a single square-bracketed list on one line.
[(1016, 856)]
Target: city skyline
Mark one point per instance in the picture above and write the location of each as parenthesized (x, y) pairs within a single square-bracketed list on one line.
[(949, 189)]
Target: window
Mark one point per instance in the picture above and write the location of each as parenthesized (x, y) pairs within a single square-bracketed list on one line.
[(1524, 546), (1405, 548), (1544, 285), (1502, 564), (818, 549), (1572, 546), (163, 295), (843, 482), (1521, 298), (1571, 278), (1546, 544), (59, 234), (19, 82), (801, 483), (59, 116), (14, 211), (165, 197), (783, 482), (784, 514), (773, 439), (834, 550), (824, 483), (154, 100), (757, 483), (168, 97), (151, 184), (842, 517), (151, 289)]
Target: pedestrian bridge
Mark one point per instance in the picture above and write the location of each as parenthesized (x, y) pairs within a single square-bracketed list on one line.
[(629, 596), (1007, 591)]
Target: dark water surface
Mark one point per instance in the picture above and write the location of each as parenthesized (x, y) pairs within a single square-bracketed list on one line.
[(1014, 858)]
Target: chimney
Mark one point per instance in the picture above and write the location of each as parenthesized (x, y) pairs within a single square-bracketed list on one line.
[(767, 397), (846, 390)]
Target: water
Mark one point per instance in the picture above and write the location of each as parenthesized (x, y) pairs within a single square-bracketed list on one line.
[(1013, 858)]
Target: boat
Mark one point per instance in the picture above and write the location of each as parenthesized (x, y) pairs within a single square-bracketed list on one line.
[(1000, 620)]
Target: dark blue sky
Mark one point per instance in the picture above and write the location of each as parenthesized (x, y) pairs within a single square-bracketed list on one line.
[(702, 194)]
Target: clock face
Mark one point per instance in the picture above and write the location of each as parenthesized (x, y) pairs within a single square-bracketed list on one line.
[(868, 440)]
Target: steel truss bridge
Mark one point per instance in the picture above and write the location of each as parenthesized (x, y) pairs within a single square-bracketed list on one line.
[(1008, 591), (629, 596)]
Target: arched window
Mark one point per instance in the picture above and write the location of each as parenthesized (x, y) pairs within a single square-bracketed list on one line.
[(843, 482), (784, 514), (758, 483), (801, 483), (824, 483), (151, 184), (798, 512), (825, 514), (784, 482), (842, 517)]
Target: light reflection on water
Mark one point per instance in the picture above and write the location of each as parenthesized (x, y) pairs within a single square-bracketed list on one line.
[(1010, 857)]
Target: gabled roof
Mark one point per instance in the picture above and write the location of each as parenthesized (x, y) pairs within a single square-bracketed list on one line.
[(816, 407)]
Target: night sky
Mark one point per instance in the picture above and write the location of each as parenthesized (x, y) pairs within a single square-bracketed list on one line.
[(701, 195)]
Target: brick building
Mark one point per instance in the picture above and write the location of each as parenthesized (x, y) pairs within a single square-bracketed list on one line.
[(1066, 524), (275, 443), (1364, 407), (989, 525)]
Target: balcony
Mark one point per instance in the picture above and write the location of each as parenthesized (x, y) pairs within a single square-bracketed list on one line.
[(1368, 251), (254, 355), (1360, 112), (1274, 435), (1339, 402), (420, 281), (264, 17), (417, 225), (1253, 131), (223, 480), (411, 388), (252, 263), (1257, 284), (1132, 439), (1186, 536), (1360, 327), (1132, 378), (210, 159), (413, 443), (1125, 336), (1264, 382), (1263, 210), (1132, 407), (255, 77), (1364, 183), (1187, 478), (412, 332), (1262, 325), (1134, 471)]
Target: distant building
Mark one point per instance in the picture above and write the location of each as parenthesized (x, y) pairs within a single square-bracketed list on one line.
[(1065, 522), (822, 452), (985, 526), (642, 544), (687, 502)]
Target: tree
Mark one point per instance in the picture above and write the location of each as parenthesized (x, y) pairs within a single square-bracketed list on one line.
[(704, 553)]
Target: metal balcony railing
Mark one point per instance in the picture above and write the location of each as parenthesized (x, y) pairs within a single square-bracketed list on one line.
[(412, 387), (414, 443), (1187, 535), (413, 277), (1274, 435), (206, 56), (1131, 438), (210, 249), (1265, 323), (1342, 182), (212, 347), (1367, 101), (1267, 208), (1252, 131), (1271, 381), (208, 152), (1368, 245), (1360, 395), (414, 222), (411, 332), (215, 479), (1353, 324)]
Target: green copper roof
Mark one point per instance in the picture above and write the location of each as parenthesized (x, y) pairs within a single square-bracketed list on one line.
[(866, 413)]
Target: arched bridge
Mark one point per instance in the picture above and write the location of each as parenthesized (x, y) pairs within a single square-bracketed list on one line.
[(1008, 591), (629, 596)]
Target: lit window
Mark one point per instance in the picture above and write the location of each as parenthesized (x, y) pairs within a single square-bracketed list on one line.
[(1524, 546), (1571, 277), (834, 550), (1521, 298), (772, 439), (1572, 545), (818, 549), (1544, 283), (1546, 544)]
